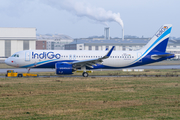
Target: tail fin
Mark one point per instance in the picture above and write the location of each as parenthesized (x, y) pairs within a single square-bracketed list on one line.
[(160, 40)]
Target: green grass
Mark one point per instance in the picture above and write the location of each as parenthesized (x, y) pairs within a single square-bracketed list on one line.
[(90, 98)]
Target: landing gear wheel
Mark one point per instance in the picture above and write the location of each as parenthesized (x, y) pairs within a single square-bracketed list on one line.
[(85, 74), (19, 75)]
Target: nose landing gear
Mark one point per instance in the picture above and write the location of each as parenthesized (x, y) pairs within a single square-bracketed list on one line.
[(28, 70)]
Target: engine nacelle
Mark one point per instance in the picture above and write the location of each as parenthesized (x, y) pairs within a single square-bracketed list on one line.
[(63, 68)]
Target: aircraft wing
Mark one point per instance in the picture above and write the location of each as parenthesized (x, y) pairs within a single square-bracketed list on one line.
[(91, 62)]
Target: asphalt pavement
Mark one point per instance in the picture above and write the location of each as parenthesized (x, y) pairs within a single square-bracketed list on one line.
[(53, 70)]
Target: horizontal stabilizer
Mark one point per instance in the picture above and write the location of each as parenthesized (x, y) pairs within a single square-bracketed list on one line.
[(155, 56)]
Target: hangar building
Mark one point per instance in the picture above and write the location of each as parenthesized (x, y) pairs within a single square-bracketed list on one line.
[(16, 39)]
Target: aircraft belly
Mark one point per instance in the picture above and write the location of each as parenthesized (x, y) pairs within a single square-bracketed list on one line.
[(117, 63)]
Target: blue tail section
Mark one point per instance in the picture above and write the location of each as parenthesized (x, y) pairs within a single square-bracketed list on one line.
[(159, 42), (161, 47)]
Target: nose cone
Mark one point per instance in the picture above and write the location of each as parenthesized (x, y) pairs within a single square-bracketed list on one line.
[(6, 61), (9, 62)]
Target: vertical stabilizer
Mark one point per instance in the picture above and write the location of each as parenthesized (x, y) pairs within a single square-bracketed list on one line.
[(160, 40)]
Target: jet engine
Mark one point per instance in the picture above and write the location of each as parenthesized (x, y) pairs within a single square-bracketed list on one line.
[(64, 68)]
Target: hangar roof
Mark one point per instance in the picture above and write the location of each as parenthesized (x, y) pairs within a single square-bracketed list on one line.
[(18, 33), (53, 37)]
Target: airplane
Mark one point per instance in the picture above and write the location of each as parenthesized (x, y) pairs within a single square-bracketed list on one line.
[(68, 61)]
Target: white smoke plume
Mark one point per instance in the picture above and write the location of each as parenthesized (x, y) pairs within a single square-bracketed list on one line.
[(82, 9)]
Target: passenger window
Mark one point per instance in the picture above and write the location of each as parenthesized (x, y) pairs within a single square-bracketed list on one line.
[(17, 55)]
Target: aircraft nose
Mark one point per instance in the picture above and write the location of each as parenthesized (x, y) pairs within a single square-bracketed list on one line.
[(7, 61)]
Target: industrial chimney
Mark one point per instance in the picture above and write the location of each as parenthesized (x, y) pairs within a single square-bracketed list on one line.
[(122, 33), (106, 33)]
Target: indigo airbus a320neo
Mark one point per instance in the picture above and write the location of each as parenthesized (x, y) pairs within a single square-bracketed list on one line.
[(69, 61)]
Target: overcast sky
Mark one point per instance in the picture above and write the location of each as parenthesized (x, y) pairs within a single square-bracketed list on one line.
[(84, 18)]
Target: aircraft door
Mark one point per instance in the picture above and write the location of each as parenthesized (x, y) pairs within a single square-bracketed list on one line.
[(138, 56), (27, 56)]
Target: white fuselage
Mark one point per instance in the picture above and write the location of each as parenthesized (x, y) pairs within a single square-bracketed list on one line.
[(34, 58)]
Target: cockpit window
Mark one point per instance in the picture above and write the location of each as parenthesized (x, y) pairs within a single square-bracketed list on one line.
[(15, 55)]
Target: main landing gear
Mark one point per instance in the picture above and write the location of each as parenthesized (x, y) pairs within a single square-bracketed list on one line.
[(85, 74)]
